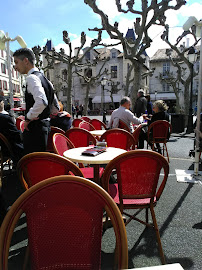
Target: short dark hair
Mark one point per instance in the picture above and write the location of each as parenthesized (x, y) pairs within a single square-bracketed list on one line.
[(124, 100), (25, 53)]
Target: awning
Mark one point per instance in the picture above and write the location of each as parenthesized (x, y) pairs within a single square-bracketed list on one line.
[(163, 96), (16, 99), (107, 99)]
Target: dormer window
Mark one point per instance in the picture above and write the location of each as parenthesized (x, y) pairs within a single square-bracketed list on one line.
[(113, 54)]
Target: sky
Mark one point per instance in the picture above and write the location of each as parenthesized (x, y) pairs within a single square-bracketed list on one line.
[(39, 20)]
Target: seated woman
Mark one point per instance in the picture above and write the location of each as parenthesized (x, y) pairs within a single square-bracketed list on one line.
[(60, 118), (159, 108)]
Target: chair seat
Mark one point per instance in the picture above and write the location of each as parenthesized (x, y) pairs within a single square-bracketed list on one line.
[(89, 172), (114, 193)]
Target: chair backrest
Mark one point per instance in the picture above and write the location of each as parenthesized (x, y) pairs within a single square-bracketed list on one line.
[(61, 144), (136, 133), (50, 137), (86, 125), (37, 166), (98, 125), (22, 125), (138, 174), (64, 224), (123, 125), (118, 138), (160, 130), (5, 143), (80, 137), (76, 122), (85, 118), (19, 119)]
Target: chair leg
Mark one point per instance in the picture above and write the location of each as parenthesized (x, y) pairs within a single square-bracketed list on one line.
[(167, 152), (157, 235), (147, 215)]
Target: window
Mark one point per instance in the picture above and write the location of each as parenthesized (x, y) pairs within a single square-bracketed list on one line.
[(1, 85), (87, 55), (5, 86), (113, 54), (166, 87), (113, 71), (13, 72), (3, 68), (2, 53), (64, 74), (166, 68)]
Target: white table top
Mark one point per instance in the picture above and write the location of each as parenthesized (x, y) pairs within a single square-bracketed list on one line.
[(75, 155), (98, 132), (173, 266)]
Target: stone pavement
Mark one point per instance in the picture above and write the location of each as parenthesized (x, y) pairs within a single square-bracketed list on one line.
[(178, 213)]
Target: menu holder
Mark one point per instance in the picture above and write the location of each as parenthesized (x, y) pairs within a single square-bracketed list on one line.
[(94, 151)]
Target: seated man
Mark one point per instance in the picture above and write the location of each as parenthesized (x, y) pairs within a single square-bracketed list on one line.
[(10, 131), (123, 113)]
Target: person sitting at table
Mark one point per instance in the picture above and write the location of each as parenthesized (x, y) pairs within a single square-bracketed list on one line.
[(60, 118), (160, 113), (10, 131), (123, 113)]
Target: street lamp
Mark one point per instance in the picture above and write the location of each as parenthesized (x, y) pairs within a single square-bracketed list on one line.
[(192, 59), (103, 83), (188, 24), (4, 38)]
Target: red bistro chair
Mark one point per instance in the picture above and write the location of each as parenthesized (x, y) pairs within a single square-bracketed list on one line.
[(136, 134), (123, 125), (98, 125), (158, 132), (61, 144), (118, 138), (19, 119), (85, 118), (138, 185), (86, 125), (76, 122), (64, 224), (37, 166), (50, 138), (80, 137)]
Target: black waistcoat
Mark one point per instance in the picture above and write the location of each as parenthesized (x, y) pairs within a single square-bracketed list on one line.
[(29, 100)]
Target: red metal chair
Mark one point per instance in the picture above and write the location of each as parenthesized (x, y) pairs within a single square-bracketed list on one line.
[(86, 125), (98, 125), (37, 166), (61, 144), (80, 137), (136, 134), (50, 138), (139, 185), (85, 118), (118, 138), (76, 122), (158, 133), (64, 224), (19, 119), (123, 125)]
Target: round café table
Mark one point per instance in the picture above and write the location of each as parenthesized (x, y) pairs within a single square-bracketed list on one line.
[(75, 155), (98, 132)]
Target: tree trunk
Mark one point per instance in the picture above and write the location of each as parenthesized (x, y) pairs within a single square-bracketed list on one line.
[(69, 89), (86, 98)]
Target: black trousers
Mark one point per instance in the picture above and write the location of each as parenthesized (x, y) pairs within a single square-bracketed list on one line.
[(35, 140)]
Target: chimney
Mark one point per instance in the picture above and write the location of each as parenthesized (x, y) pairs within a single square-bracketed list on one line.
[(76, 50)]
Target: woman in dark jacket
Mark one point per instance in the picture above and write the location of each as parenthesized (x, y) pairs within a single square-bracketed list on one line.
[(159, 108)]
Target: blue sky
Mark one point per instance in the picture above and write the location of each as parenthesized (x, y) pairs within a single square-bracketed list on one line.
[(39, 20)]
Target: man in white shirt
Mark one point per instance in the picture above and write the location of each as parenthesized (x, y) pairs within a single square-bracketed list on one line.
[(39, 97), (123, 113)]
